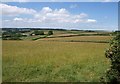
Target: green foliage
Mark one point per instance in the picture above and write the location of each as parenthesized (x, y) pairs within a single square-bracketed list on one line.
[(36, 38), (113, 53), (50, 32), (36, 32), (39, 37), (11, 36)]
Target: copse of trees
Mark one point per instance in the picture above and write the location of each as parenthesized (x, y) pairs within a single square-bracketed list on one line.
[(37, 32), (11, 35), (113, 53), (50, 32)]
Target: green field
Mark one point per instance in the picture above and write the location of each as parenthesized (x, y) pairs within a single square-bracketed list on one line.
[(54, 61)]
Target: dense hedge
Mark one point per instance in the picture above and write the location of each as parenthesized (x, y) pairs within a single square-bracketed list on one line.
[(36, 32), (113, 53)]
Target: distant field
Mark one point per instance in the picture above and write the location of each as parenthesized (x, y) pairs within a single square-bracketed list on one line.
[(54, 61), (70, 35), (82, 38)]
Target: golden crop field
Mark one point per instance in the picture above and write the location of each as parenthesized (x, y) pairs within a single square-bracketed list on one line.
[(53, 61), (82, 38)]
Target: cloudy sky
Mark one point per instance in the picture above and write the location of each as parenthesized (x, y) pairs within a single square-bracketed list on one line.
[(69, 15)]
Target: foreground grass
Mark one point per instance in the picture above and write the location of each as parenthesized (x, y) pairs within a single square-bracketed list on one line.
[(35, 61)]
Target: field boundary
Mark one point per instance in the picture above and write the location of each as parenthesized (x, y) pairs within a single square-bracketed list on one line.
[(78, 41)]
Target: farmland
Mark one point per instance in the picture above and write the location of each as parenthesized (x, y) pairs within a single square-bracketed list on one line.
[(55, 59)]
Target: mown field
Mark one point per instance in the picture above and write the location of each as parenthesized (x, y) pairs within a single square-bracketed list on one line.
[(55, 61)]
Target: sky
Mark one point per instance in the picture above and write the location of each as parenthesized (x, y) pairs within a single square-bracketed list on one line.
[(67, 15), (59, 0)]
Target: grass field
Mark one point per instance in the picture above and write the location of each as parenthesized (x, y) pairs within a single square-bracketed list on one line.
[(54, 61), (82, 38)]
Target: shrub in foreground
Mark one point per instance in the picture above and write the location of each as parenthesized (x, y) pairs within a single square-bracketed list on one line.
[(113, 53)]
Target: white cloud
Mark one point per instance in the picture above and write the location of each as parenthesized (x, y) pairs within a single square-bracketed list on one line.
[(18, 19), (60, 16), (46, 10), (14, 10), (81, 15), (91, 21), (46, 14), (46, 17)]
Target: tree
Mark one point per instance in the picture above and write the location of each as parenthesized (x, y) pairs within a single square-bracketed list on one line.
[(9, 35), (41, 32), (36, 32), (113, 53), (50, 32)]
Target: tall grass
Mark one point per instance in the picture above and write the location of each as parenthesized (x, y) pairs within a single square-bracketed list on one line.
[(35, 61)]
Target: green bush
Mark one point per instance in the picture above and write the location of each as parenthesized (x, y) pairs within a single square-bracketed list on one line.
[(15, 38), (36, 32), (113, 53), (36, 38), (11, 36), (50, 32)]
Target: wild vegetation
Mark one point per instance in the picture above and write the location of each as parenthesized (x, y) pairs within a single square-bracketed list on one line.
[(113, 53), (56, 58), (35, 34)]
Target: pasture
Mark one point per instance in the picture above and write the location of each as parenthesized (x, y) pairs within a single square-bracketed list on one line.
[(54, 61)]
